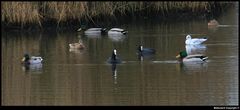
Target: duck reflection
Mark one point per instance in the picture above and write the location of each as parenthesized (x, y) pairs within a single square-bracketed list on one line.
[(195, 49), (33, 68), (78, 51), (117, 37), (191, 67)]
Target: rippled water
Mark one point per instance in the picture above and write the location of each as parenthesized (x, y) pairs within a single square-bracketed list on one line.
[(70, 77)]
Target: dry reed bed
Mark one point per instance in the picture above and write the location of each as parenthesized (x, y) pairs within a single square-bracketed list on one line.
[(37, 12)]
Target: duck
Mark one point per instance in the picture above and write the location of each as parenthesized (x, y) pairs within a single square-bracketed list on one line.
[(194, 41), (31, 60), (114, 59), (117, 31), (91, 31), (213, 23), (184, 57), (78, 45)]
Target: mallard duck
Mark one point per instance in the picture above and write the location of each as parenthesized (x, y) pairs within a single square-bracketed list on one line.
[(31, 60), (114, 59), (184, 57), (91, 31), (194, 41), (213, 23), (78, 45), (117, 31)]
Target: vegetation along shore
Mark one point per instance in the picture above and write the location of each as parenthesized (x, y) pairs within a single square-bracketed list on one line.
[(43, 14)]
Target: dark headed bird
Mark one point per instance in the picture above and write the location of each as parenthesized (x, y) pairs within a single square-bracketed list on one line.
[(114, 59)]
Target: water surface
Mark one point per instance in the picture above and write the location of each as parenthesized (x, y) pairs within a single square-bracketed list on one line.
[(70, 77)]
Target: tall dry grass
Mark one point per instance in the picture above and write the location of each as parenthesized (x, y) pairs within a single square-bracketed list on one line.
[(21, 12), (38, 12)]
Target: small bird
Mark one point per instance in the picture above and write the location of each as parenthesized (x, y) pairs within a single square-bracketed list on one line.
[(184, 57), (31, 60), (114, 59), (194, 41), (78, 45)]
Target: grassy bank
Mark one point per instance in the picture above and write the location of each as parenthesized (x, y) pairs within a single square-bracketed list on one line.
[(38, 13)]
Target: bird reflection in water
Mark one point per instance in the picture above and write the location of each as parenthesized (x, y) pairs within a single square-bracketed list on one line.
[(191, 67), (114, 73), (145, 57), (78, 51), (117, 38), (33, 68)]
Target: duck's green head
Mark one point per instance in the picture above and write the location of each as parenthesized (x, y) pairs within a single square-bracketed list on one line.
[(25, 58), (82, 27), (182, 54)]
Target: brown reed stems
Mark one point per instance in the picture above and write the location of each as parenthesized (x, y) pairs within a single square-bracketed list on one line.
[(38, 12)]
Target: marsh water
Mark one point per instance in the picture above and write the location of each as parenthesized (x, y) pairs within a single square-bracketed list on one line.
[(83, 77)]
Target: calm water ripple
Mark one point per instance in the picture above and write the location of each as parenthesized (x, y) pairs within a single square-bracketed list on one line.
[(74, 77)]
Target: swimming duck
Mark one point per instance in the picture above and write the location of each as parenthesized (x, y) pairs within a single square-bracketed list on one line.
[(213, 23), (78, 45), (31, 60), (117, 31), (194, 41), (184, 57), (91, 31), (114, 59)]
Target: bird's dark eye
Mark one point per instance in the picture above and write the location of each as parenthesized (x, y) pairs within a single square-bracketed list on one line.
[(34, 59)]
